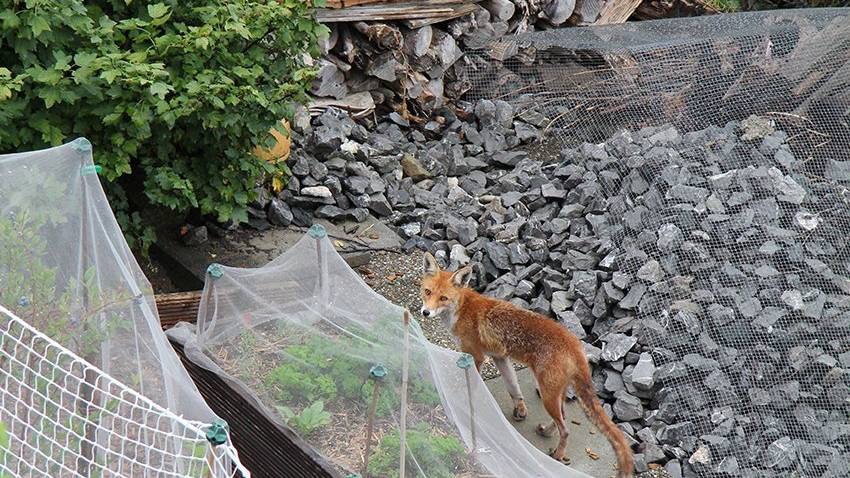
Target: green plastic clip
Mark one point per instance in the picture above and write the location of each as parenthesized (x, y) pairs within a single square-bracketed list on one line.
[(81, 145), (217, 432), (91, 169), (215, 271), (317, 231), (465, 361), (378, 371)]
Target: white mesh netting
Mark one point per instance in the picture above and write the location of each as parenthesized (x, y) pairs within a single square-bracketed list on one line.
[(707, 162), (46, 409), (66, 270), (305, 333)]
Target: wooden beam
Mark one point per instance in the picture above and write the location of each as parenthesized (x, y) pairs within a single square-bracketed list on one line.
[(178, 307), (393, 11), (459, 11)]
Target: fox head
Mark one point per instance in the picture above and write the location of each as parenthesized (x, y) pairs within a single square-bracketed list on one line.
[(441, 290)]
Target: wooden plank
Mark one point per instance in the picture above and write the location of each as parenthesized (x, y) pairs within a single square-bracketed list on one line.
[(178, 307), (616, 11), (459, 11), (394, 11), (603, 12)]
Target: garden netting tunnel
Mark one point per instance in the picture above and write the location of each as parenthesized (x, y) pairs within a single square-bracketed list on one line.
[(89, 385), (311, 344)]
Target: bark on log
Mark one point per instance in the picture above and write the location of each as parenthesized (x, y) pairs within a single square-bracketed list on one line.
[(657, 9), (381, 34)]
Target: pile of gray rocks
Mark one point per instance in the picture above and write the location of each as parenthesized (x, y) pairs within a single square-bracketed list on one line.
[(342, 170), (707, 272)]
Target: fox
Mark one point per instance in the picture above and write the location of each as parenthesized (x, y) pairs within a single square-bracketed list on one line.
[(484, 326)]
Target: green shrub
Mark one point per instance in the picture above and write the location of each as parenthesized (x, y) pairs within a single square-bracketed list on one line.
[(177, 91), (437, 455)]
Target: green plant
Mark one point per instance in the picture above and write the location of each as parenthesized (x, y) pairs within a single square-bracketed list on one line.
[(309, 420), (725, 5), (177, 91), (30, 288), (437, 455), (324, 368), (4, 445)]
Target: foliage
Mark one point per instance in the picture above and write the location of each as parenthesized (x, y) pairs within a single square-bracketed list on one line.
[(30, 287), (724, 5), (328, 368), (309, 420), (4, 445), (439, 454), (293, 384), (179, 91)]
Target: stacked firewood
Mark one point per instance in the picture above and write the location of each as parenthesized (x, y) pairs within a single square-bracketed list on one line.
[(407, 56)]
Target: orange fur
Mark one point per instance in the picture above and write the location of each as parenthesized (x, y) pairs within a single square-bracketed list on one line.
[(487, 326)]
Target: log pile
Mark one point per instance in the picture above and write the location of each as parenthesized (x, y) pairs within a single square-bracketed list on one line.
[(408, 56)]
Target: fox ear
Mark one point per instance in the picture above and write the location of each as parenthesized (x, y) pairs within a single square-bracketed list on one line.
[(429, 265), (462, 276)]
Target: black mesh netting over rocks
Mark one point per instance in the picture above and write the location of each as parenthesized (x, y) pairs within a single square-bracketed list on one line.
[(699, 213)]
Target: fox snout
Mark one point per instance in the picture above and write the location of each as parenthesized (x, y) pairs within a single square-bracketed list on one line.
[(428, 312)]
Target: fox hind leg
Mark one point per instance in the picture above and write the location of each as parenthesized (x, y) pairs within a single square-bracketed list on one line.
[(506, 368), (553, 400)]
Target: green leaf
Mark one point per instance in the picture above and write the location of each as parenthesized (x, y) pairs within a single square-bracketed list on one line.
[(109, 75), (4, 437), (10, 19), (38, 25), (84, 58), (51, 96), (160, 89), (158, 10)]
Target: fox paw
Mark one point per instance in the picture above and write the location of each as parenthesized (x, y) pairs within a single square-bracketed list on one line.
[(563, 459), (520, 412), (543, 431)]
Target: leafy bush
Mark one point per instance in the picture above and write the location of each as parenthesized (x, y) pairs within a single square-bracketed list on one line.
[(178, 91), (437, 455)]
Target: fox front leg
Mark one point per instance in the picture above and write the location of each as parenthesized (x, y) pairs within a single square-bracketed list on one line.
[(506, 368)]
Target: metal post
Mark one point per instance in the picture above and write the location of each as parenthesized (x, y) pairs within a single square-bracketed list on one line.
[(405, 365), (216, 435), (318, 232), (377, 374), (465, 362), (87, 387)]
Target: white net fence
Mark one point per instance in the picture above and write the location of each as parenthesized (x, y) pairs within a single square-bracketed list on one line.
[(66, 270), (62, 417), (325, 354)]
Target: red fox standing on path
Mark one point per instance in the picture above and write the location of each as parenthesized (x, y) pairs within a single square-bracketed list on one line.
[(486, 326)]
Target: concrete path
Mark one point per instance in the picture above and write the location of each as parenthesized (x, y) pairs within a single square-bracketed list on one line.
[(583, 435), (250, 248)]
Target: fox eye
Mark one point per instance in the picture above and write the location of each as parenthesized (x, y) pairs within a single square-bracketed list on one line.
[(427, 291), (443, 298)]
